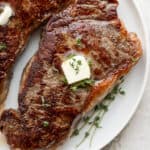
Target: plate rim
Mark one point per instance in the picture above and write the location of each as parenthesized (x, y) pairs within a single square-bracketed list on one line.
[(147, 70)]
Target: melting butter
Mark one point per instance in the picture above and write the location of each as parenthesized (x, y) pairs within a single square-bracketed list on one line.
[(6, 13)]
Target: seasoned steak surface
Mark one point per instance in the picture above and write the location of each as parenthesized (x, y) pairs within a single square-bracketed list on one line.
[(28, 15), (47, 105)]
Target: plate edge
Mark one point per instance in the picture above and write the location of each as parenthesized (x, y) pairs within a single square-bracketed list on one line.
[(147, 70)]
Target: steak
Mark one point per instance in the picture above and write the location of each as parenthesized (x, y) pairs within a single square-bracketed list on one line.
[(28, 15), (48, 106)]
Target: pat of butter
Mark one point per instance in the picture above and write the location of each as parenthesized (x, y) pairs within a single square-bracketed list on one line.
[(5, 14), (76, 69)]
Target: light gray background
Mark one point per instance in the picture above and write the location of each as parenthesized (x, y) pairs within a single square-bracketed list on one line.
[(136, 136)]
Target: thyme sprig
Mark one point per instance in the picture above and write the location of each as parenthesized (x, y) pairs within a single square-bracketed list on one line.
[(94, 119), (70, 56), (82, 84), (45, 124), (134, 59), (3, 46), (79, 41)]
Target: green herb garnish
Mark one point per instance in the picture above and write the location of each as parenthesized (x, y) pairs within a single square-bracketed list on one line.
[(97, 125), (45, 123), (3, 46), (70, 56), (90, 63), (122, 92), (97, 118), (94, 119), (87, 134), (82, 84), (78, 41), (79, 62), (97, 107), (134, 59), (74, 88), (86, 119), (64, 80), (110, 96), (75, 132), (104, 107)]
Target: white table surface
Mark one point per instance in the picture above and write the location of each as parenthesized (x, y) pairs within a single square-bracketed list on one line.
[(136, 136)]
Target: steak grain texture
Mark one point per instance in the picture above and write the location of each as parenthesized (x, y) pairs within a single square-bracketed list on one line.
[(28, 15), (47, 105)]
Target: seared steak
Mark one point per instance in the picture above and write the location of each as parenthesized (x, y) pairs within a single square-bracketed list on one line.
[(28, 15), (47, 105)]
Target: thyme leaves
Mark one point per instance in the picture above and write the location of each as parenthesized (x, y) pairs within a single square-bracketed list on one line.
[(93, 120), (3, 46), (82, 84)]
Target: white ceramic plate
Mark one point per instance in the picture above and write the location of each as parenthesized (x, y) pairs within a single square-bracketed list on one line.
[(123, 108)]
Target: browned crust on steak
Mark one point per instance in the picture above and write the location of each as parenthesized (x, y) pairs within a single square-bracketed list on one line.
[(104, 40), (28, 15), (102, 89)]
